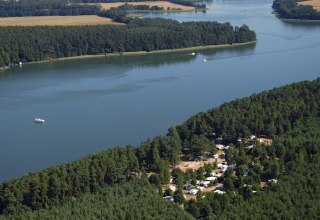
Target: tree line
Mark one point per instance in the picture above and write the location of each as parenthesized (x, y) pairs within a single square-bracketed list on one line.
[(290, 9), (130, 7), (37, 43), (22, 8)]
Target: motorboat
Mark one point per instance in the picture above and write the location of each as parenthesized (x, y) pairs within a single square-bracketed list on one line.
[(39, 120)]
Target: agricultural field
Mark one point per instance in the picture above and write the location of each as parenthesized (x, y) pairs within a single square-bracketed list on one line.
[(314, 3), (163, 4), (56, 20)]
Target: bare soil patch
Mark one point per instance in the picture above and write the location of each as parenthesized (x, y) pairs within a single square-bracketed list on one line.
[(57, 20), (184, 165), (262, 184), (188, 197)]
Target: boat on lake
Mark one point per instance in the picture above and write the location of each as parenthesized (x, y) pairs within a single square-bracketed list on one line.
[(39, 120)]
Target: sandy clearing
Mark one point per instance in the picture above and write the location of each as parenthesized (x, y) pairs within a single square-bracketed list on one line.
[(185, 165)]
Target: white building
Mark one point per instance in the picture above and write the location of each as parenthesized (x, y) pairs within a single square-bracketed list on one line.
[(193, 191), (219, 192), (220, 146), (211, 178)]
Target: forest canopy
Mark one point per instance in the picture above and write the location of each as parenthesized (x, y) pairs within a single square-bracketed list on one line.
[(136, 199)]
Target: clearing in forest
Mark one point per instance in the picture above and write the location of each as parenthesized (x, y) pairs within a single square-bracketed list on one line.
[(56, 20), (194, 165)]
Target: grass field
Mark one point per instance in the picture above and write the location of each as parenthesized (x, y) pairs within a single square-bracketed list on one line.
[(55, 20), (163, 4), (314, 3)]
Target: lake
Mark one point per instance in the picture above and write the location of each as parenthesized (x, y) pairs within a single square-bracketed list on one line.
[(93, 104)]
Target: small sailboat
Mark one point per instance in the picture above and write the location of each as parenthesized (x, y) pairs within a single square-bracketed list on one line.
[(39, 120)]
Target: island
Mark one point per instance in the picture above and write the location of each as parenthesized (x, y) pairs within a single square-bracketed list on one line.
[(230, 162)]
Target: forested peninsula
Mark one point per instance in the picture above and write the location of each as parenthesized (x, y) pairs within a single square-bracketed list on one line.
[(28, 44), (290, 9), (271, 147)]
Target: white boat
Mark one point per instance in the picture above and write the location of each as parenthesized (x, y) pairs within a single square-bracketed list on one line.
[(204, 60), (39, 120), (192, 54)]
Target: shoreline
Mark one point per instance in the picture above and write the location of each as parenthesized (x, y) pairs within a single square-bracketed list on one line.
[(299, 20), (168, 11), (143, 53), (294, 20)]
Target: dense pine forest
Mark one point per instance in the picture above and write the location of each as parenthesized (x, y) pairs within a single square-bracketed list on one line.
[(278, 181), (290, 9), (132, 200), (14, 8), (38, 43)]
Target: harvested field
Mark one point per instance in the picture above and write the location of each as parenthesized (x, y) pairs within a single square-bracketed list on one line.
[(163, 4), (56, 20), (314, 3)]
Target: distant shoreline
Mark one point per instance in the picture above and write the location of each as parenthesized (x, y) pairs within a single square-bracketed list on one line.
[(167, 11), (143, 53), (300, 20)]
